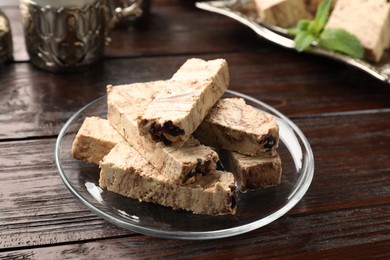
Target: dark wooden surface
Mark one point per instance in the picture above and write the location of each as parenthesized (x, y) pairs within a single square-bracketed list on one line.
[(344, 113)]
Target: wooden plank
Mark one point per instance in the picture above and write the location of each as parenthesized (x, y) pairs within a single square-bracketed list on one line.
[(351, 174), (36, 208), (351, 161), (344, 113), (329, 234), (170, 28), (38, 103), (178, 27)]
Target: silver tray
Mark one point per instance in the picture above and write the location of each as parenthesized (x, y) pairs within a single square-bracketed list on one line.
[(243, 12)]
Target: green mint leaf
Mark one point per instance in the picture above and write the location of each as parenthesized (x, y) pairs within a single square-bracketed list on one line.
[(293, 31), (302, 25), (303, 40), (322, 16), (341, 41), (306, 32)]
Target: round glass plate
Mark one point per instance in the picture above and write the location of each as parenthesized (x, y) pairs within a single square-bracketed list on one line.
[(255, 208)]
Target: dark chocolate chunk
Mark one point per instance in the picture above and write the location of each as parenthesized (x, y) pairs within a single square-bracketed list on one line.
[(172, 130), (268, 142), (156, 131)]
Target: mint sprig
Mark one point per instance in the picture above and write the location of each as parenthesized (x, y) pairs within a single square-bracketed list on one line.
[(308, 32)]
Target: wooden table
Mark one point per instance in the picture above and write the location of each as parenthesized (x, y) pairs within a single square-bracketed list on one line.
[(344, 113)]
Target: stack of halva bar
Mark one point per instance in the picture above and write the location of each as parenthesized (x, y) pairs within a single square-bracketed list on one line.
[(368, 20), (162, 141)]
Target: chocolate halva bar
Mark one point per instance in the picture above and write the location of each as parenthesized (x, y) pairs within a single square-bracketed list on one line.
[(126, 172), (95, 138), (262, 171), (173, 115), (369, 21), (236, 126), (184, 164), (283, 13)]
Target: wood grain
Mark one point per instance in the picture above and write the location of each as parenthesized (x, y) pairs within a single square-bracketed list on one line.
[(346, 174), (38, 103), (329, 234), (51, 215), (171, 28), (344, 113), (36, 208)]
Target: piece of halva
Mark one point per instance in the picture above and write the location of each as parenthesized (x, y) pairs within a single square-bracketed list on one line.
[(368, 20), (174, 114), (184, 164), (282, 13), (95, 138), (236, 126), (126, 172), (262, 171)]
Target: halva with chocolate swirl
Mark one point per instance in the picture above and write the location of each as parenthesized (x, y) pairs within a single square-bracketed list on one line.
[(184, 164), (173, 115), (236, 126), (283, 13), (94, 140), (369, 21), (182, 175), (262, 171), (126, 172)]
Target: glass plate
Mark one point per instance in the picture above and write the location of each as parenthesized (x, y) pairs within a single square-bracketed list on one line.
[(255, 208), (244, 12)]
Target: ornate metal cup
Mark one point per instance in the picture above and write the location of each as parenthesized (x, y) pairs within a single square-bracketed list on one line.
[(68, 35), (5, 39)]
